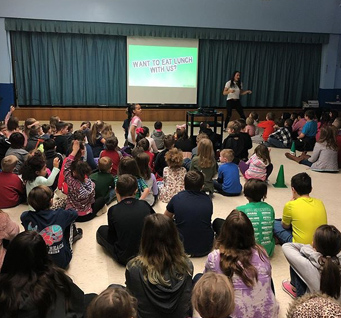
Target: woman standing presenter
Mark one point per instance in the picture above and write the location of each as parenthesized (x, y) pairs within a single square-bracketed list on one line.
[(233, 89)]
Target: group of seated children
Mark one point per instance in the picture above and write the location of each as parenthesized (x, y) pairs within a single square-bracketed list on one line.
[(158, 270)]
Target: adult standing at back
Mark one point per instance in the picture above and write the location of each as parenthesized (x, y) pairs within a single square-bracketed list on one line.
[(233, 89)]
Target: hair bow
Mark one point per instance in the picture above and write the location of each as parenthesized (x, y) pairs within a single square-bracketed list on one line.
[(183, 126), (139, 130)]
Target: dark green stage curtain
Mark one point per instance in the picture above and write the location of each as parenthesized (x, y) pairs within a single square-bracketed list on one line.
[(69, 69), (279, 74)]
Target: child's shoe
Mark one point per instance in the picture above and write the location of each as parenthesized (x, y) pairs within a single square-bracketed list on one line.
[(289, 289)]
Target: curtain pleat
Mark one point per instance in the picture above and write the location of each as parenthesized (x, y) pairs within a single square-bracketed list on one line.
[(279, 74)]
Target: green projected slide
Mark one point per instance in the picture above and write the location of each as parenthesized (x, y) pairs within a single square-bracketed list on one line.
[(162, 66)]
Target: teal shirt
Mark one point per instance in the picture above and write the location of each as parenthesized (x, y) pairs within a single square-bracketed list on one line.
[(262, 217)]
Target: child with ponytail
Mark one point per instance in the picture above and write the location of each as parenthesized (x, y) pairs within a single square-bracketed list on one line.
[(317, 267)]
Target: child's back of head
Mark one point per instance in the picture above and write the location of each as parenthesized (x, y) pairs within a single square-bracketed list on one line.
[(80, 170), (144, 143), (45, 128), (142, 160), (194, 180), (158, 125), (249, 121), (111, 143), (262, 152), (301, 183), (255, 190), (128, 165), (234, 126), (8, 163), (113, 302), (213, 296), (104, 164), (33, 164), (17, 140), (310, 114), (49, 144), (242, 122), (174, 158), (227, 154), (254, 116), (61, 126), (169, 141), (126, 185), (40, 198), (270, 116)]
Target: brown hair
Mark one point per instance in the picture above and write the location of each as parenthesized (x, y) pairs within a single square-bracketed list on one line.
[(113, 302), (158, 254), (206, 153), (262, 152), (236, 242), (128, 165), (213, 296), (328, 136), (126, 185), (255, 190), (201, 136), (169, 141), (142, 160), (40, 197), (327, 241), (95, 131), (249, 121), (174, 158)]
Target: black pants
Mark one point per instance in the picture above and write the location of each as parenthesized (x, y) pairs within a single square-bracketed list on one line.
[(233, 104), (96, 206), (107, 241)]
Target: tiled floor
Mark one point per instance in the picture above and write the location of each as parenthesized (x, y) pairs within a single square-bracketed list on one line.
[(93, 270)]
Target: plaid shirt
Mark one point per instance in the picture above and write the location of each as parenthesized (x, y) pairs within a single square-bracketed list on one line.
[(282, 134)]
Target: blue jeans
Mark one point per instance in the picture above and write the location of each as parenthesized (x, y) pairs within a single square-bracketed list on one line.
[(283, 235), (299, 284)]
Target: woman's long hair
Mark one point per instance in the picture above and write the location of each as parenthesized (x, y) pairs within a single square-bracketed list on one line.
[(95, 131), (28, 272), (233, 83), (161, 251), (327, 241), (236, 242), (328, 136), (206, 153)]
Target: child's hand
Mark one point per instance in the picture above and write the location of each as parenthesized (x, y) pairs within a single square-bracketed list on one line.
[(11, 109), (56, 162), (75, 146)]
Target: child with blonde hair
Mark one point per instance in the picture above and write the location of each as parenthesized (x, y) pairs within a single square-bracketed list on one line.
[(113, 302), (250, 127), (228, 182), (206, 163), (173, 175), (11, 186), (213, 296)]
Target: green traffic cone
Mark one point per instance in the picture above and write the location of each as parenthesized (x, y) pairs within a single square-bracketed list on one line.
[(293, 149), (280, 183)]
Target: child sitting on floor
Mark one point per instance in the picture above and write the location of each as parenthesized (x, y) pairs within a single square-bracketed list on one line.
[(81, 190), (11, 186), (55, 226), (259, 165), (261, 214), (104, 180), (173, 175), (112, 152), (158, 135), (228, 182)]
